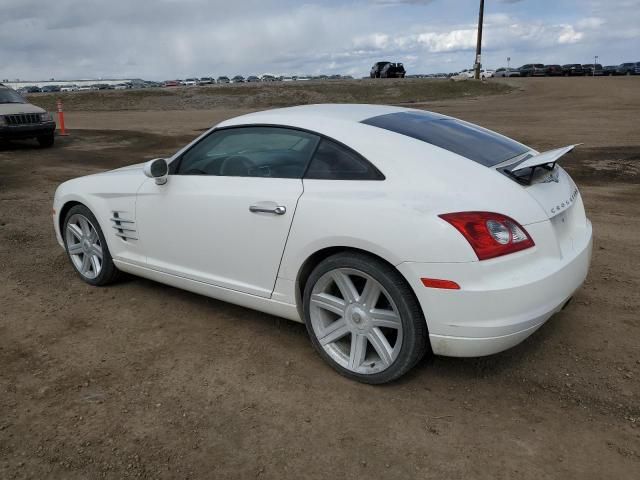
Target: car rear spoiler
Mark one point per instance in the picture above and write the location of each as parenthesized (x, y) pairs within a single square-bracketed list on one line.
[(546, 160), (550, 157)]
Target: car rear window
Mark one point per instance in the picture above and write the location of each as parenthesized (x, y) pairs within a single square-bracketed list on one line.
[(470, 141)]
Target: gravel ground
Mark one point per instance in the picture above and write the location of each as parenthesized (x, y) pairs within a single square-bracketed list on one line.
[(140, 380)]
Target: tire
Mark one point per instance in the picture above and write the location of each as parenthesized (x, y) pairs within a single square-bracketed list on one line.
[(349, 335), (86, 241), (46, 141)]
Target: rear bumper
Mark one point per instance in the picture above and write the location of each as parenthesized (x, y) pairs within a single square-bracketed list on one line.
[(501, 301), (10, 132)]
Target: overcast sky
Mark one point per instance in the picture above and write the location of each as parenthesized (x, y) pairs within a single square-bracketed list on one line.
[(164, 39)]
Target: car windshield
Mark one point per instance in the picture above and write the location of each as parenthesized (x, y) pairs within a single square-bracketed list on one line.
[(470, 141), (10, 96)]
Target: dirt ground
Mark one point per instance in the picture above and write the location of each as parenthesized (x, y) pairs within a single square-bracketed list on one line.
[(140, 380)]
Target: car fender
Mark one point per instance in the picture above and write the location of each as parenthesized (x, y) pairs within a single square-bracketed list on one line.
[(104, 194), (379, 232)]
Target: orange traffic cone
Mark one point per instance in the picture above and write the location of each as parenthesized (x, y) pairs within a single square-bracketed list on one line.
[(62, 132)]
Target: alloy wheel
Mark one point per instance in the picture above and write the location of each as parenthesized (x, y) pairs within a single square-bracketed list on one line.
[(355, 321), (84, 246)]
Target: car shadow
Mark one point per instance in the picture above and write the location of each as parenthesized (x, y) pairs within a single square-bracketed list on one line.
[(28, 144), (429, 369)]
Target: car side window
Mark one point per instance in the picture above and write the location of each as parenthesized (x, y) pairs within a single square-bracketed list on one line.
[(250, 152), (333, 161)]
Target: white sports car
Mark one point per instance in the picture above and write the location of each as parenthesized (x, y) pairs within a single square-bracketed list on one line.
[(388, 231)]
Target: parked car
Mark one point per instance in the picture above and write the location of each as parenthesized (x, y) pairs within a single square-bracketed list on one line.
[(252, 79), (85, 88), (387, 70), (69, 88), (50, 89), (572, 70), (532, 70), (172, 83), (553, 70), (376, 69), (287, 79), (505, 72), (268, 78), (206, 81), (121, 86), (237, 79), (393, 70), (20, 120), (592, 69), (222, 79), (628, 68), (637, 69), (464, 272), (190, 82), (31, 89), (609, 70), (468, 72)]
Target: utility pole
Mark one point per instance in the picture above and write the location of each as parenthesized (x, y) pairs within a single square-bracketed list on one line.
[(479, 44)]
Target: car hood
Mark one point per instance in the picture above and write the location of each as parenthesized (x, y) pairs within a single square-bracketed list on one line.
[(13, 108), (137, 167)]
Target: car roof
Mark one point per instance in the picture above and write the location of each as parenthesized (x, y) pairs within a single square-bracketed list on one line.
[(327, 111)]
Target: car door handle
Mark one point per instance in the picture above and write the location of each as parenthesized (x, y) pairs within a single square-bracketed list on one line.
[(278, 210)]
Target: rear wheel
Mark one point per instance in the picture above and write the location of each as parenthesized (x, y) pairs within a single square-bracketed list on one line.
[(363, 318), (86, 247), (46, 140)]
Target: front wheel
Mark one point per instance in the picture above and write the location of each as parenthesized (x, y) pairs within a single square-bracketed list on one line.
[(363, 318), (87, 248)]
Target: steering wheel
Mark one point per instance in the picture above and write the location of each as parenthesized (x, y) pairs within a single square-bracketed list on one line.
[(236, 166)]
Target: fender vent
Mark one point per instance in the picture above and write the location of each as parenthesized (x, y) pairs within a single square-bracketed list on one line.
[(125, 228)]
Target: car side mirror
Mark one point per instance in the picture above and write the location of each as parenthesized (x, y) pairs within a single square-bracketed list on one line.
[(157, 168)]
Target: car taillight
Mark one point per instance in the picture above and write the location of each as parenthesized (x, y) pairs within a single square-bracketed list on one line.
[(490, 234)]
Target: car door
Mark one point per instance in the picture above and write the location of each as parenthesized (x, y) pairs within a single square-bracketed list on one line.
[(224, 215)]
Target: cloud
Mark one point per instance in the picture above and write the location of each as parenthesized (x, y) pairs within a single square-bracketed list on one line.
[(569, 35), (590, 22), (401, 2), (181, 38), (448, 41)]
